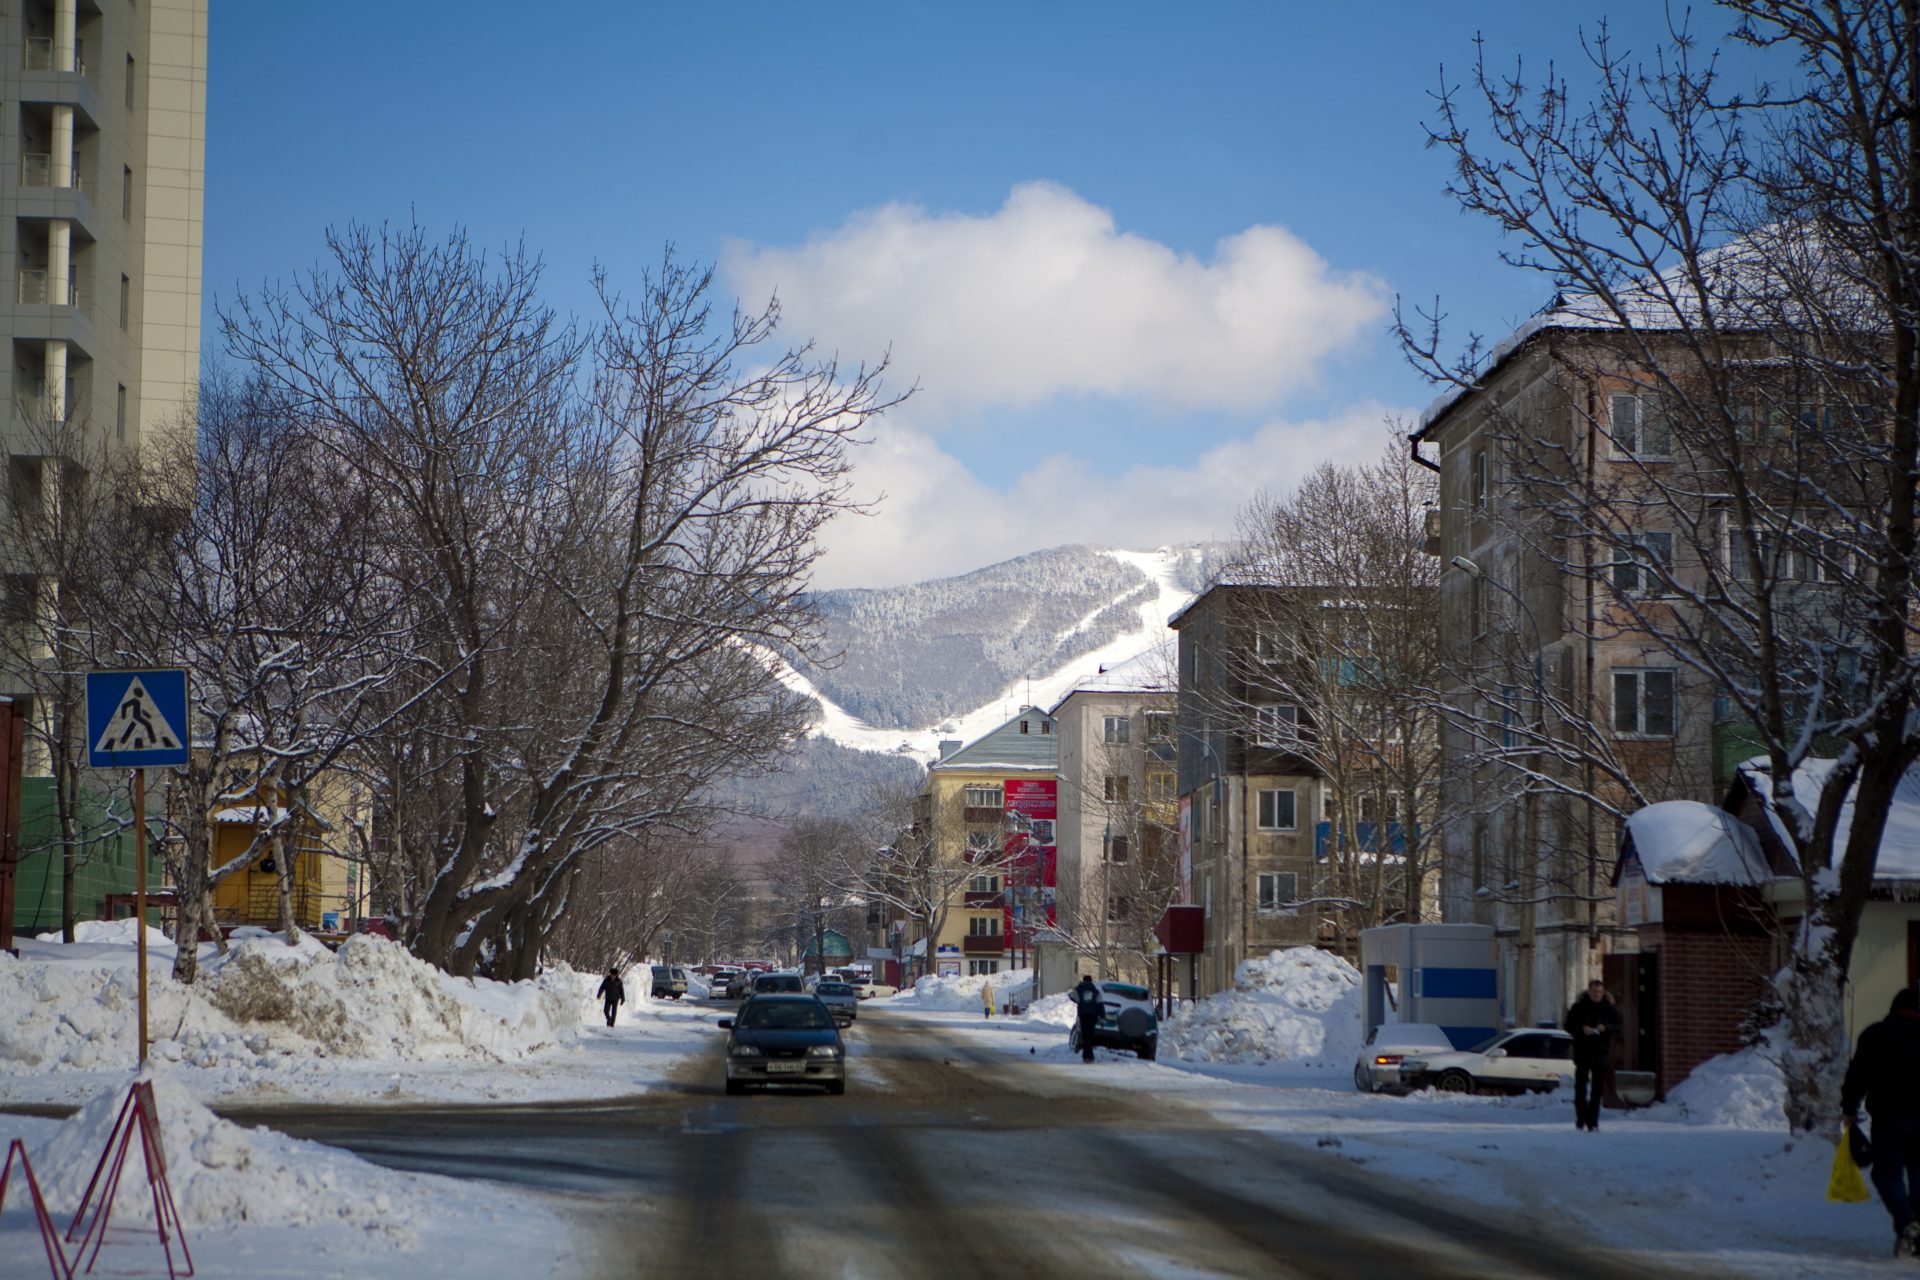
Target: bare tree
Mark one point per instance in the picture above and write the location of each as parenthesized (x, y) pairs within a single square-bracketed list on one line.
[(1746, 277)]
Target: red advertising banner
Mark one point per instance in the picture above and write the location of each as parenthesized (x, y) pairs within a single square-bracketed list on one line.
[(1032, 806)]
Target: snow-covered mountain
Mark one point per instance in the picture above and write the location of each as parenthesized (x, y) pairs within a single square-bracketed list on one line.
[(953, 657)]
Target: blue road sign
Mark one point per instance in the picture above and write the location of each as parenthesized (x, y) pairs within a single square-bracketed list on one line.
[(136, 719)]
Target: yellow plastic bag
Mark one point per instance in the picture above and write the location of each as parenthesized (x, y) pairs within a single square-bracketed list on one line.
[(1845, 1184)]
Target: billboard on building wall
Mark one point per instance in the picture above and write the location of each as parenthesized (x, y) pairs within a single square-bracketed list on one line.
[(1186, 848), (1032, 856)]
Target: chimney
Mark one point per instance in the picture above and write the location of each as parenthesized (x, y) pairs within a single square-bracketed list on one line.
[(948, 746)]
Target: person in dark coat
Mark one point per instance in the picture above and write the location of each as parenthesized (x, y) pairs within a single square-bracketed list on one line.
[(1594, 1022), (613, 992), (1885, 1073), (1086, 1000)]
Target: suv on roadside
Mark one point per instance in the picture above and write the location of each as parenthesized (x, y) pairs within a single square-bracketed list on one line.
[(669, 982), (1127, 1021)]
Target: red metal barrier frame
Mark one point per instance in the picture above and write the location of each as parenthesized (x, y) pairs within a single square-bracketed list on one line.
[(137, 1112), (49, 1234)]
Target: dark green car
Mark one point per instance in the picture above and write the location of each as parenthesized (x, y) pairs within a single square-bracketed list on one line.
[(1127, 1021)]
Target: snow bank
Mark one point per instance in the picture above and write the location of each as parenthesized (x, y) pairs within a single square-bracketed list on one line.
[(113, 933), (266, 1004), (222, 1175), (963, 995), (1742, 1090), (1301, 1005)]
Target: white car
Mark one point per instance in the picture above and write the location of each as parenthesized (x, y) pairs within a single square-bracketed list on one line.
[(1526, 1059), (1387, 1046)]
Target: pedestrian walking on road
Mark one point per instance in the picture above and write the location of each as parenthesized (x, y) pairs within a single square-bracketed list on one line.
[(1885, 1073), (1086, 1001), (986, 997), (1594, 1021), (613, 992)]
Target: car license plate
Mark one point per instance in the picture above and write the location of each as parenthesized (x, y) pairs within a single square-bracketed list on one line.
[(785, 1068)]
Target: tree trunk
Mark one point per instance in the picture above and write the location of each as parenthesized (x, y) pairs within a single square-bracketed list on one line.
[(283, 879)]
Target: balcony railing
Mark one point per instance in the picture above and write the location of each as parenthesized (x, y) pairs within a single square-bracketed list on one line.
[(985, 898), (32, 290), (40, 56), (36, 170), (991, 944)]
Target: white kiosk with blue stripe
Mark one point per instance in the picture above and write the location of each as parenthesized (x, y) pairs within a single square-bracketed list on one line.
[(1447, 975)]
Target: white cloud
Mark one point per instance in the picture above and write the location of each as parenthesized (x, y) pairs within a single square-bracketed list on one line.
[(1046, 297), (938, 519)]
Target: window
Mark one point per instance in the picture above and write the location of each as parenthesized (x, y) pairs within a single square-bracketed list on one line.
[(1119, 730), (129, 82), (1046, 727), (1640, 428), (1477, 604), (1119, 789), (978, 967), (126, 192), (1277, 811), (1266, 644), (1159, 727), (983, 797), (1118, 849), (1276, 724), (1162, 787), (1480, 480), (1023, 726), (984, 884), (983, 926), (1118, 909), (1279, 890), (126, 299), (1643, 703), (120, 413), (1634, 572)]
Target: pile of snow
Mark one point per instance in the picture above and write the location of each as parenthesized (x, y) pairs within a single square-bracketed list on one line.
[(271, 1005), (1743, 1090), (966, 995), (221, 1174), (1057, 1010), (1298, 1006), (112, 933)]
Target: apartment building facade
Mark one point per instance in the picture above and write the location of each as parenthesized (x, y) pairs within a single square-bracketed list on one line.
[(1118, 813), (1248, 801), (992, 804)]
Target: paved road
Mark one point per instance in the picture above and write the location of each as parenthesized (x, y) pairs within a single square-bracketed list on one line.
[(968, 1163)]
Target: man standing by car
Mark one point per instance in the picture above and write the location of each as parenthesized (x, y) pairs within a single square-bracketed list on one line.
[(1885, 1071), (613, 992), (1593, 1021), (1086, 999)]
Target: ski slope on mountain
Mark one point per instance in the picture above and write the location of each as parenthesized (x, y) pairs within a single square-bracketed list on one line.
[(1165, 570)]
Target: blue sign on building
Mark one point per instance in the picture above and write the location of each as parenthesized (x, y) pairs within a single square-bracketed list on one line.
[(137, 719)]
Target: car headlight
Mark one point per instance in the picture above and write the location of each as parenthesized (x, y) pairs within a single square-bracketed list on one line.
[(824, 1051), (746, 1051)]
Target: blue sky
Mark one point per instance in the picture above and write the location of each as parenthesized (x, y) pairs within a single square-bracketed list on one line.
[(1140, 258)]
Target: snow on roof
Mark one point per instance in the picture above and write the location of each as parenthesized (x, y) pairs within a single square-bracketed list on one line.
[(1687, 842), (1899, 843), (253, 815), (1144, 672)]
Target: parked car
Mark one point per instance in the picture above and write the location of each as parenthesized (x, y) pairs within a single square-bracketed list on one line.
[(767, 984), (718, 977), (1532, 1058), (1387, 1046), (669, 982), (1127, 1021), (841, 1000), (875, 987), (740, 985), (784, 1039)]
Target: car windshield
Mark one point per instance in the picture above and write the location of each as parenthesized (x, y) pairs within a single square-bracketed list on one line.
[(834, 989), (786, 1015), (1125, 990), (1485, 1045)]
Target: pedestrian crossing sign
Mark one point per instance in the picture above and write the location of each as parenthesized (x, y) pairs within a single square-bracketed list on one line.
[(136, 719)]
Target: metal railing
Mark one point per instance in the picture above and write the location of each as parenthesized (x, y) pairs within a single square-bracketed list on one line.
[(40, 56), (36, 170), (32, 290)]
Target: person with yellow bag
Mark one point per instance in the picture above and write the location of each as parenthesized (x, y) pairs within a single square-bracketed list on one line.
[(1885, 1073)]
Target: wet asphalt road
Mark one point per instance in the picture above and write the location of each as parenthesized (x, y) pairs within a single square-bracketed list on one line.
[(968, 1163)]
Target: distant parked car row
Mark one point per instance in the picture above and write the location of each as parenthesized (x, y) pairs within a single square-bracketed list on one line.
[(1420, 1056)]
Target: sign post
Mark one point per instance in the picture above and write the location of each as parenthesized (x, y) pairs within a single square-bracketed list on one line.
[(136, 719)]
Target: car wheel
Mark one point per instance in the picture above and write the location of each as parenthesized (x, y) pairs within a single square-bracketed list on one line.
[(1146, 1052), (836, 1087), (1454, 1082), (735, 1088), (1362, 1078)]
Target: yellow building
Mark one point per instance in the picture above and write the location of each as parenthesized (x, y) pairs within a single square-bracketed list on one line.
[(981, 801), (318, 838)]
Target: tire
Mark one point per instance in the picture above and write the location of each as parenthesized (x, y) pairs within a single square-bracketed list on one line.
[(1146, 1052), (1362, 1078), (835, 1088), (1134, 1024), (735, 1088), (1454, 1082)]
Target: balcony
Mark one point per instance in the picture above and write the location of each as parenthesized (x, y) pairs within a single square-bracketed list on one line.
[(36, 170), (984, 944), (32, 290), (985, 900), (40, 56)]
